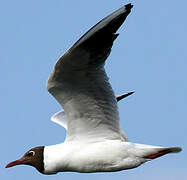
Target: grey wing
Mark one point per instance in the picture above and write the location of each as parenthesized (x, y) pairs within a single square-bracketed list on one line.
[(79, 83)]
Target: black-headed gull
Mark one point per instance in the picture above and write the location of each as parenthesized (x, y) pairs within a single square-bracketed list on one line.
[(94, 141)]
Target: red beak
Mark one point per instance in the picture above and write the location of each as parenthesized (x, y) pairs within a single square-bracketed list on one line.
[(14, 163)]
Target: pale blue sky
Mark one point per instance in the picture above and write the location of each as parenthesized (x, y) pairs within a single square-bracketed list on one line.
[(148, 57)]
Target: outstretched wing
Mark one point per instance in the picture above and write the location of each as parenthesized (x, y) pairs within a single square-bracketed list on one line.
[(79, 83)]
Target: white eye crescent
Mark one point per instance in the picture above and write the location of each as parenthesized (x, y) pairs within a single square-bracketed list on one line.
[(32, 153)]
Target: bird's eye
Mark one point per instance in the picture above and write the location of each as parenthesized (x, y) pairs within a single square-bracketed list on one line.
[(31, 153)]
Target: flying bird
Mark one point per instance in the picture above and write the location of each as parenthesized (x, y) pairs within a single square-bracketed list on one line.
[(94, 140)]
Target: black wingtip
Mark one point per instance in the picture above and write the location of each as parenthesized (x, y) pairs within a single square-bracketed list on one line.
[(128, 6), (124, 96)]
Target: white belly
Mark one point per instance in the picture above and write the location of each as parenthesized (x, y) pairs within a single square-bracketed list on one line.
[(111, 155)]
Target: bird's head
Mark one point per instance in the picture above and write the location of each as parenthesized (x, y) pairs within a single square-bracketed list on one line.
[(33, 157)]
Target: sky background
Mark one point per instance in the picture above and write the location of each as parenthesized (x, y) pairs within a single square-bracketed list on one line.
[(149, 57)]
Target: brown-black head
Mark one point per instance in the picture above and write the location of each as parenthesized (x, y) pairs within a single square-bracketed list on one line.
[(34, 157)]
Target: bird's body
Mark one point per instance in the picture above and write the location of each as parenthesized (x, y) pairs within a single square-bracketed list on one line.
[(94, 141), (104, 156), (99, 156)]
